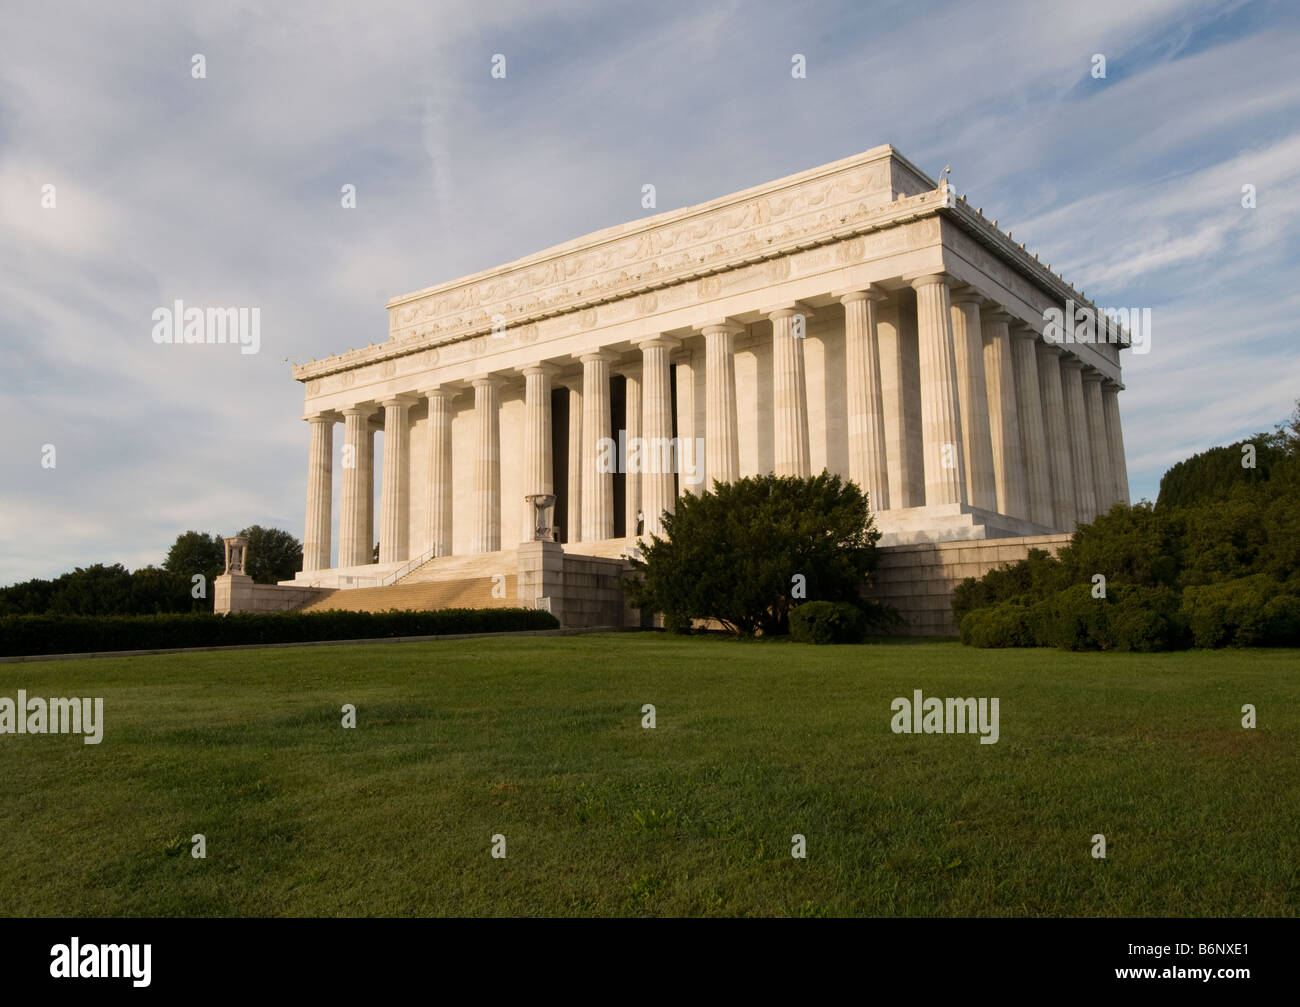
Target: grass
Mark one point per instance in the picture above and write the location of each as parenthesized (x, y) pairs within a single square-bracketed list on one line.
[(541, 741)]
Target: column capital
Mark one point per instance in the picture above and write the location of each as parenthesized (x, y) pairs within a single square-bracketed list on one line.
[(360, 409), (996, 315), (787, 309), (967, 295), (862, 292), (1092, 374), (1047, 349), (599, 356), (928, 278), (1070, 360), (545, 369), (488, 381), (631, 369), (439, 392), (1111, 385), (323, 416), (658, 342), (722, 325), (1022, 330), (407, 399)]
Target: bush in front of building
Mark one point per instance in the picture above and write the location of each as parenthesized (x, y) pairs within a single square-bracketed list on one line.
[(745, 553), (827, 622), (1129, 618), (53, 634)]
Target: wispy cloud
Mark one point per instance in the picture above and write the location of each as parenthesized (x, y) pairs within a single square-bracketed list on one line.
[(226, 191)]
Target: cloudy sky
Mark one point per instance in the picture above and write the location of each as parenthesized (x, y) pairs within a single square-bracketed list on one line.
[(226, 191)]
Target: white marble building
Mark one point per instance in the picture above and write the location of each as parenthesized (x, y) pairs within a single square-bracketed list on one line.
[(857, 317)]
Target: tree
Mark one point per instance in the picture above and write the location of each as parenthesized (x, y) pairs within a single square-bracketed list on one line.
[(197, 552), (93, 590), (154, 590), (30, 597), (744, 553), (273, 555)]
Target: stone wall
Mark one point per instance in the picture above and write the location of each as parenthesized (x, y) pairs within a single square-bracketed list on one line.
[(578, 590), (238, 593), (918, 580)]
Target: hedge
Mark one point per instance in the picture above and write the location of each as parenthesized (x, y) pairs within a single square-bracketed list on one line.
[(1130, 617), (54, 634)]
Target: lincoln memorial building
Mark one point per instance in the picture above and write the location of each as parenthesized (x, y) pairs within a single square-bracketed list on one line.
[(857, 317)]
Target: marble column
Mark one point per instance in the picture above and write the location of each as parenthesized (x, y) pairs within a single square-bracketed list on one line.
[(573, 499), (1029, 415), (1076, 426), (320, 491), (355, 530), (635, 456), (487, 465), (539, 463), (1115, 439), (1064, 503), (791, 454), (1009, 476), (438, 509), (690, 455), (972, 385), (597, 456), (658, 492), (721, 434), (1098, 447), (868, 458), (395, 494), (945, 475), (368, 497), (896, 348)]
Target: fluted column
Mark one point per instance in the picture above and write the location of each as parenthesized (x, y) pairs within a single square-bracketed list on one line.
[(1076, 425), (439, 488), (1103, 482), (945, 475), (1064, 503), (791, 454), (539, 468), (1009, 475), (972, 384), (690, 451), (721, 434), (320, 491), (597, 471), (868, 460), (573, 502), (487, 465), (355, 528), (395, 493), (658, 493), (1029, 414), (635, 456), (1115, 439)]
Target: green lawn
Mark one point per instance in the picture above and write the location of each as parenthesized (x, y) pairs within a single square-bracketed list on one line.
[(541, 740)]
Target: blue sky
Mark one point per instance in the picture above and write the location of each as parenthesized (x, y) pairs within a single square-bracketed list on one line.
[(225, 191)]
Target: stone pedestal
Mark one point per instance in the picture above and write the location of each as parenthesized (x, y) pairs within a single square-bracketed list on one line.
[(540, 583), (232, 592)]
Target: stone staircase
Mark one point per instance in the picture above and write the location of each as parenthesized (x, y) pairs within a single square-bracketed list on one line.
[(461, 592)]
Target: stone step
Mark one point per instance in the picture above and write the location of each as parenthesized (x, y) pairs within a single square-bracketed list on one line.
[(472, 592)]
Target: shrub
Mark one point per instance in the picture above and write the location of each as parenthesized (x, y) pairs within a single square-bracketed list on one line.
[(1004, 625), (1247, 612), (733, 553), (47, 634), (1039, 574), (827, 622), (1144, 619)]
